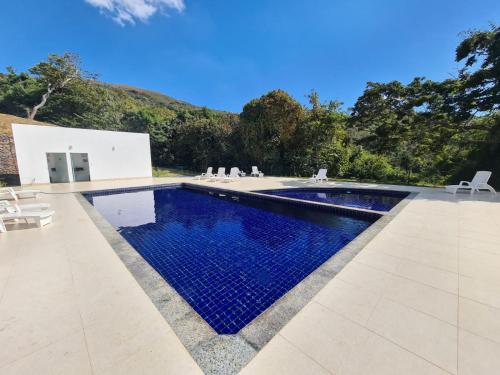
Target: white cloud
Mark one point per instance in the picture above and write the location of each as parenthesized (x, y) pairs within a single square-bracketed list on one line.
[(123, 11)]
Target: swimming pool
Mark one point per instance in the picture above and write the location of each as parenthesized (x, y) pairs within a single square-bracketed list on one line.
[(230, 257), (377, 200)]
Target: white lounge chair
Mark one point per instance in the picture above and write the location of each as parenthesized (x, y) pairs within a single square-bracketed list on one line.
[(321, 176), (479, 182), (234, 174), (240, 173), (9, 193), (221, 175), (256, 172), (6, 206), (207, 174), (40, 218)]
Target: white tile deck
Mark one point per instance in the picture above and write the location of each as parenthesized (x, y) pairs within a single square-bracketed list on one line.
[(423, 297)]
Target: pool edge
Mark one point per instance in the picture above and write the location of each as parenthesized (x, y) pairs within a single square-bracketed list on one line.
[(228, 354)]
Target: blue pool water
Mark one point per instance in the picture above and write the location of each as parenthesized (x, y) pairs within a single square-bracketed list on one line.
[(378, 200), (230, 260)]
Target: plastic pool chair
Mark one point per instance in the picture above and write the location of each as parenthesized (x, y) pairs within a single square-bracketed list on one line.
[(239, 172), (256, 172), (479, 182), (5, 206), (233, 174), (208, 174), (17, 194), (40, 218), (221, 174), (321, 176), (7, 193)]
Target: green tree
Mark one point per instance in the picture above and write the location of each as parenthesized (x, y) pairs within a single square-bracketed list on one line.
[(268, 126), (17, 92), (202, 143), (324, 137), (54, 75), (481, 86)]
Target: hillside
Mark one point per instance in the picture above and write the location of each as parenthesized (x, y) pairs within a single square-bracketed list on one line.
[(154, 98), (92, 104), (150, 97)]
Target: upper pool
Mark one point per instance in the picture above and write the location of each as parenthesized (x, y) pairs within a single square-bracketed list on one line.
[(229, 257), (377, 200)]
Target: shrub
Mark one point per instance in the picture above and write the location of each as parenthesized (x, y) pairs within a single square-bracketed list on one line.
[(368, 166), (335, 157)]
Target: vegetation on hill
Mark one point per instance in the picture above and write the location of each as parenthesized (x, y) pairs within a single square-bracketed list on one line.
[(153, 98), (420, 132)]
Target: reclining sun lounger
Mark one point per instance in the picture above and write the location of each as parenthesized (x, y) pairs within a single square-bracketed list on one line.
[(479, 182), (6, 206), (41, 218), (203, 176), (256, 172), (233, 174), (220, 176), (9, 193), (321, 176)]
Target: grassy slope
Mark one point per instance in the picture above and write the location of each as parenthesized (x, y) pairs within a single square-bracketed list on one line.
[(154, 98), (151, 97), (6, 122)]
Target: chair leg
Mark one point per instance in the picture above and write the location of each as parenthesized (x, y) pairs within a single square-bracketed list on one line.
[(491, 189)]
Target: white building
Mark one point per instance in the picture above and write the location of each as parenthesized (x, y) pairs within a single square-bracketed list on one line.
[(50, 154)]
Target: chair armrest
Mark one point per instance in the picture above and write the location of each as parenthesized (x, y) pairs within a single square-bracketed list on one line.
[(464, 183)]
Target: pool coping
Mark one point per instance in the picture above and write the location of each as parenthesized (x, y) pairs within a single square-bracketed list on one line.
[(228, 354)]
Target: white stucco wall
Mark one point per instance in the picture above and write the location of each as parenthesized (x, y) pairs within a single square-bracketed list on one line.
[(111, 155)]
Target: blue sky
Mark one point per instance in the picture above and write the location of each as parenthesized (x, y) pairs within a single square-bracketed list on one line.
[(221, 54)]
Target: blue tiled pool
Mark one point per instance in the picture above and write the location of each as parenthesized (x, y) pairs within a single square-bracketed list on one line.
[(230, 260), (378, 200)]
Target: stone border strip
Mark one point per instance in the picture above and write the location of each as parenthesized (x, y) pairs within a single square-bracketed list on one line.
[(228, 354)]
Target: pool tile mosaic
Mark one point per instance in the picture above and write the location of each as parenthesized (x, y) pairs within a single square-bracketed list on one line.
[(229, 260)]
